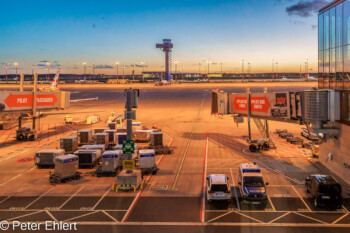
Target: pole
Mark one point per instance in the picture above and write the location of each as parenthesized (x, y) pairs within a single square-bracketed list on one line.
[(266, 121), (16, 73), (21, 82), (6, 73), (242, 69), (34, 102), (249, 113)]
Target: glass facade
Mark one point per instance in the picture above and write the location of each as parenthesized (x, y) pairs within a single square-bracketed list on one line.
[(334, 47), (334, 52)]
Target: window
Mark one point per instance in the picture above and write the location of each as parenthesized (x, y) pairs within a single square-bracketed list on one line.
[(338, 25), (326, 30), (346, 22), (332, 27), (320, 32), (320, 61)]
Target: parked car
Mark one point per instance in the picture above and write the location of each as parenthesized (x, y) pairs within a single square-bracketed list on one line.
[(325, 191), (311, 136), (307, 145), (315, 150), (251, 183), (295, 140), (218, 188), (286, 135), (278, 131)]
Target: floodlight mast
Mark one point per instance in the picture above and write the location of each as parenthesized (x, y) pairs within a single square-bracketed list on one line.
[(166, 47)]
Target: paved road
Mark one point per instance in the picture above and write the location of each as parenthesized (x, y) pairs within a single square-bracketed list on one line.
[(174, 199)]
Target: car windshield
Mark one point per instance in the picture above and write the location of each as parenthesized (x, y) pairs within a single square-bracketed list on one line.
[(252, 181), (330, 189), (218, 188)]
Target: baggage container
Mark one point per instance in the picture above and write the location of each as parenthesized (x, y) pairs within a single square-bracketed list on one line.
[(99, 130), (84, 136), (121, 130), (110, 160), (88, 158), (92, 119), (69, 144), (136, 125), (156, 138), (129, 180), (66, 165), (111, 136), (45, 158), (100, 147), (112, 125), (143, 135), (101, 138), (147, 159), (120, 137)]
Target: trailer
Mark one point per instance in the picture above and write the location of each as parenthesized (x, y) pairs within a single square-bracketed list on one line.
[(99, 172), (259, 145), (160, 150), (66, 168), (147, 162), (54, 179)]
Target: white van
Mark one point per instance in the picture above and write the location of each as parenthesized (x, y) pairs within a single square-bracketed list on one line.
[(218, 188)]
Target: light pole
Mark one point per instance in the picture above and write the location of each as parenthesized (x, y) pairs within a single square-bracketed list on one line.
[(33, 70), (307, 68), (276, 69), (16, 64), (242, 69), (221, 67), (117, 64), (47, 66), (176, 62), (273, 68), (6, 71), (199, 68), (93, 69), (84, 63), (208, 61)]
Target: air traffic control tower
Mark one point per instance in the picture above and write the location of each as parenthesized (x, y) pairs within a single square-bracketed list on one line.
[(166, 47), (334, 71)]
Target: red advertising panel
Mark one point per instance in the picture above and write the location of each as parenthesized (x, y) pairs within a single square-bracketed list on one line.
[(261, 104)]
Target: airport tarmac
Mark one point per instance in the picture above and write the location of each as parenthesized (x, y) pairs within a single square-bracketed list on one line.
[(174, 199)]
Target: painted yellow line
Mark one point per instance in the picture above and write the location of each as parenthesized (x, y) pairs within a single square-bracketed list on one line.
[(187, 146)]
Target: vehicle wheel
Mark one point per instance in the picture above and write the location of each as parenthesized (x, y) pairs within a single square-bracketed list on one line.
[(278, 113), (307, 189), (316, 202), (253, 148), (209, 201), (154, 172)]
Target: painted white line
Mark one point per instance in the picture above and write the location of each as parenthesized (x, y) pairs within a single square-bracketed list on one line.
[(70, 197), (260, 163), (5, 199), (302, 199), (53, 217), (98, 202), (346, 210), (115, 220), (38, 198), (247, 216), (314, 219), (16, 176), (132, 205), (220, 216), (24, 215), (234, 189), (273, 207), (275, 219), (337, 220), (83, 215)]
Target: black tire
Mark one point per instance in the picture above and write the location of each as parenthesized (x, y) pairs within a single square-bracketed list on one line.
[(307, 189), (154, 172), (253, 148)]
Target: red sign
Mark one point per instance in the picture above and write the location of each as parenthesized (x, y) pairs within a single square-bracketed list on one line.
[(15, 101), (257, 104)]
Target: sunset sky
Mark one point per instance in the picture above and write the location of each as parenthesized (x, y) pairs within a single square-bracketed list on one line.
[(103, 32)]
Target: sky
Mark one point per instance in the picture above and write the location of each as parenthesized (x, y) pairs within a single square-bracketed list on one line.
[(100, 33)]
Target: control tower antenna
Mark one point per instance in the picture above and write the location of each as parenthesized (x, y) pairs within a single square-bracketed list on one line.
[(166, 47)]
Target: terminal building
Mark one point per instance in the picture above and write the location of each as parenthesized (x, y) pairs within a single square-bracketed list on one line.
[(334, 73)]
